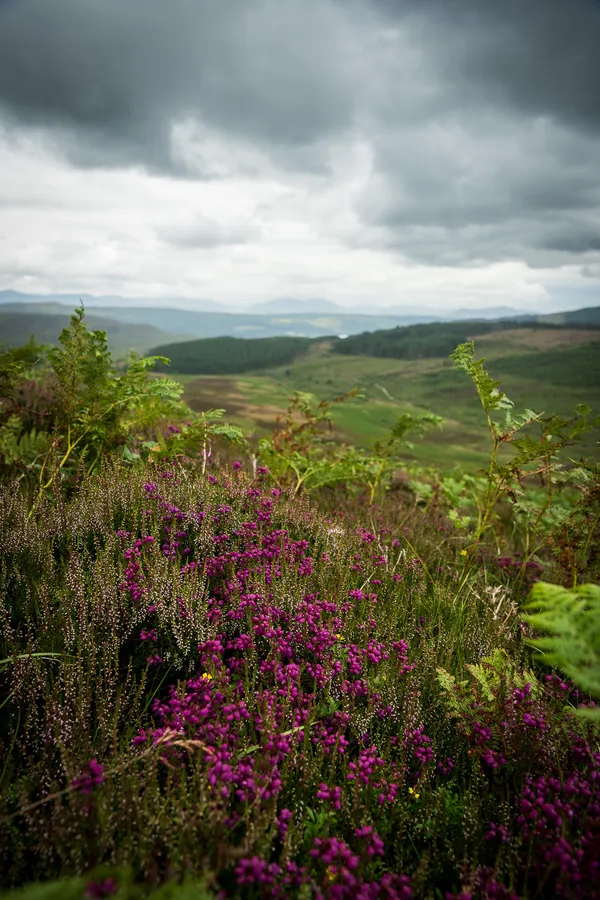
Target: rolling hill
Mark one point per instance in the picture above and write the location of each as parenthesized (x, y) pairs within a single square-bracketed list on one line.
[(214, 356), (547, 368), (210, 324), (17, 327)]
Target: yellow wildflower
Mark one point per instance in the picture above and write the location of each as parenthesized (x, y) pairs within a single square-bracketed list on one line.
[(207, 676), (331, 872)]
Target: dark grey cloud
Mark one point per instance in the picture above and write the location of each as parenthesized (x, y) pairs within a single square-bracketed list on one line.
[(505, 144), (483, 117), (539, 57), (112, 77), (574, 240)]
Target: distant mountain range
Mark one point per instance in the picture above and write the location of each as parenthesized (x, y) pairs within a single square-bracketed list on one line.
[(131, 324), (277, 307), (107, 300)]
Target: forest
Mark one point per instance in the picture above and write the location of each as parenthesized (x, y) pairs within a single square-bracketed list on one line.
[(214, 356)]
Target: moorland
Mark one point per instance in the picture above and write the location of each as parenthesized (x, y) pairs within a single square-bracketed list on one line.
[(353, 652)]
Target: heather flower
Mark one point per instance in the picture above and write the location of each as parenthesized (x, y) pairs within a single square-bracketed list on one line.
[(256, 871), (283, 820), (154, 660), (97, 890), (372, 842), (294, 687), (368, 763), (332, 795), (497, 832), (444, 768), (340, 861), (151, 635), (420, 745), (92, 776)]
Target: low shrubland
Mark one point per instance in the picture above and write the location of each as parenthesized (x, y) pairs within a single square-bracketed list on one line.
[(274, 671)]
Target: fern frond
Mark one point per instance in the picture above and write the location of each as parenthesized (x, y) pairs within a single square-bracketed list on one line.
[(572, 622)]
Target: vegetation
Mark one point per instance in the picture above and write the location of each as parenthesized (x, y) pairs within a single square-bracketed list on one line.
[(577, 366), (276, 675), (432, 340), (573, 620), (389, 388), (66, 409), (215, 356)]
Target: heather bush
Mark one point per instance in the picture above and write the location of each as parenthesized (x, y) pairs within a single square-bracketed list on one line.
[(204, 679)]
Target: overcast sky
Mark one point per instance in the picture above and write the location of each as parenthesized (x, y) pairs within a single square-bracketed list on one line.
[(437, 153)]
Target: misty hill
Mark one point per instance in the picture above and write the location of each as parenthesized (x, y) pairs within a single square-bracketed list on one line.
[(293, 306), (329, 319), (491, 312), (205, 318), (71, 300), (219, 324), (588, 316), (17, 327)]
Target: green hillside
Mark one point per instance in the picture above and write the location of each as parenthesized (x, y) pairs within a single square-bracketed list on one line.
[(547, 380), (435, 339), (228, 355), (575, 367)]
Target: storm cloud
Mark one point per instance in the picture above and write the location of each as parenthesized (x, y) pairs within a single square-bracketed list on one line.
[(439, 133)]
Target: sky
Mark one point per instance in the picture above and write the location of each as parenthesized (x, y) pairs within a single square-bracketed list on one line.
[(402, 153)]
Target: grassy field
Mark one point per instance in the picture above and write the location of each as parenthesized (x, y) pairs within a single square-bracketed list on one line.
[(544, 370)]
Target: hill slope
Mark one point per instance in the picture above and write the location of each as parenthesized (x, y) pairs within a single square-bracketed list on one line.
[(438, 340), (588, 316), (17, 327), (228, 355)]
